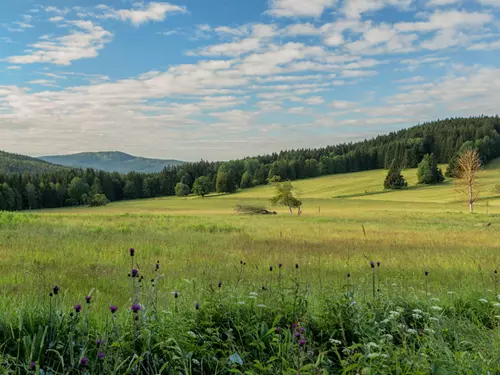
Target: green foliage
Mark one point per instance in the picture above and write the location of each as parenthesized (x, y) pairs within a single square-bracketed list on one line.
[(428, 171), (98, 200), (284, 196), (181, 190), (77, 189), (202, 186), (394, 178)]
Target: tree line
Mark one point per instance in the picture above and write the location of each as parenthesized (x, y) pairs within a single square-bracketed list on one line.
[(443, 139)]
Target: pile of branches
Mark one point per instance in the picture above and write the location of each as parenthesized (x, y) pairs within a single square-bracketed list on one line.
[(253, 210)]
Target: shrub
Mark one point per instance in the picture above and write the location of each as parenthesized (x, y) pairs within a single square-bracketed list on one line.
[(394, 178), (428, 172), (98, 200)]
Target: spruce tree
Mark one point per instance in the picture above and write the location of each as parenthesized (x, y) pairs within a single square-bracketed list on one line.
[(394, 178), (428, 171)]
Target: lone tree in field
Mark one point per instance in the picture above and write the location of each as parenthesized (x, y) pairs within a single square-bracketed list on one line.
[(284, 196), (468, 164), (428, 171), (394, 178), (202, 186)]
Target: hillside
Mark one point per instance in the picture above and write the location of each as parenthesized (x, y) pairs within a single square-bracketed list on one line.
[(13, 163), (112, 161)]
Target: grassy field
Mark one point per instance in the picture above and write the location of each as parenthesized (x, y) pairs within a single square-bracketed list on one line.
[(347, 221)]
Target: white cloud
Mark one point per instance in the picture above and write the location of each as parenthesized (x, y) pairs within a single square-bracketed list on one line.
[(82, 43), (447, 20), (342, 104), (299, 8), (485, 46), (356, 8), (438, 3), (13, 67), (301, 29), (56, 19), (153, 12)]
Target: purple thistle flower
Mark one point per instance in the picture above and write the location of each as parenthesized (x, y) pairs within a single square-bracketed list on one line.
[(296, 266), (426, 273), (271, 268), (77, 308), (99, 342), (84, 361), (88, 299), (372, 264), (297, 335), (348, 274), (134, 273), (56, 290), (197, 306), (157, 265), (135, 308), (100, 355), (132, 251), (302, 330), (302, 342), (113, 309), (495, 272), (378, 264), (176, 294), (33, 365), (280, 265), (294, 325), (220, 284)]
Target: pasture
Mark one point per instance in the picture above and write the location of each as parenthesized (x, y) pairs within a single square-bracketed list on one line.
[(347, 221)]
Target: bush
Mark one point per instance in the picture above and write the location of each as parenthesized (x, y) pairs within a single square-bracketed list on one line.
[(181, 190), (98, 200), (395, 179), (428, 172)]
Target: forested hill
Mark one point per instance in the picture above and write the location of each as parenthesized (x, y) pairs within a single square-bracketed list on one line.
[(54, 186), (112, 161), (12, 163)]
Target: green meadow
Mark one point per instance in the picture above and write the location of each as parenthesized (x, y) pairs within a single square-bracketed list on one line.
[(347, 221)]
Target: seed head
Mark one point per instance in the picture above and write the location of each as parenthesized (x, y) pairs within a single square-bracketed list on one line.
[(113, 309), (135, 308), (77, 308), (56, 290), (84, 361), (132, 251)]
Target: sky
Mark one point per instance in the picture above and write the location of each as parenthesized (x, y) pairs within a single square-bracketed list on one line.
[(223, 79)]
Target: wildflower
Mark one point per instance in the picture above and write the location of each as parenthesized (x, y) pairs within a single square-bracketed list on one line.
[(84, 361), (394, 314), (220, 284), (496, 304), (348, 274), (483, 300), (261, 306), (373, 355), (296, 266), (197, 306), (264, 288), (113, 309), (100, 355), (56, 290), (252, 297), (378, 264), (417, 311), (451, 293), (157, 267), (388, 336), (280, 265), (77, 308), (297, 335), (271, 268), (372, 345), (372, 264), (132, 251), (416, 316), (88, 299), (50, 294), (135, 308), (135, 273), (302, 330), (253, 294), (411, 330), (99, 342), (428, 330), (241, 303), (394, 284), (33, 365), (302, 342), (426, 273), (434, 299), (336, 342), (436, 308), (175, 294)]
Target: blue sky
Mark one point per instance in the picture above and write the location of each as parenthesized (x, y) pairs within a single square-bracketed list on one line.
[(221, 79)]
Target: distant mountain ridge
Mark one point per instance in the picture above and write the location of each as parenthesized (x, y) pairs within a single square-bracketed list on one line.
[(14, 163), (111, 161)]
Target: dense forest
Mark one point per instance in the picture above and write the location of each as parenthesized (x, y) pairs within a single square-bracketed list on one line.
[(29, 184)]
